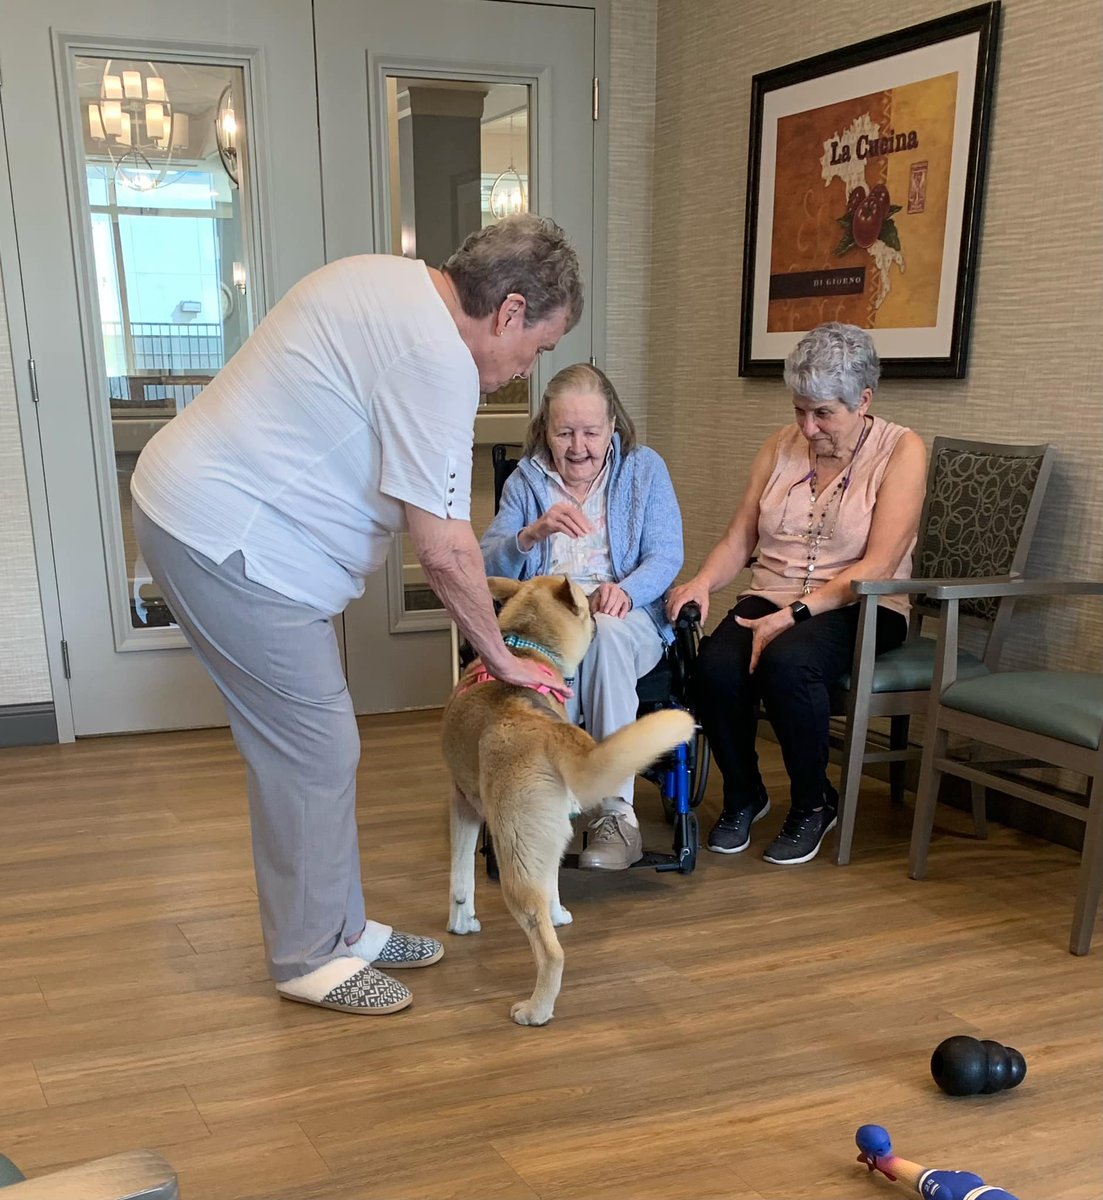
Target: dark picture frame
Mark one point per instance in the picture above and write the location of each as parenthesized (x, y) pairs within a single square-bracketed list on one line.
[(865, 186)]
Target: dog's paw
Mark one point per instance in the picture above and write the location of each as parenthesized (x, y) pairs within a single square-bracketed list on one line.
[(560, 915), (464, 923), (524, 1012)]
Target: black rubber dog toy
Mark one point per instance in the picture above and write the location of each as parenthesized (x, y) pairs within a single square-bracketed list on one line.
[(964, 1066)]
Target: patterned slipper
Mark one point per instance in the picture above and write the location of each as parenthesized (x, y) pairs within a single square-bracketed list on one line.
[(347, 985), (408, 950)]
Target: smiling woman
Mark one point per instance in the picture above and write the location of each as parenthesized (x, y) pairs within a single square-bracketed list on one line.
[(587, 502)]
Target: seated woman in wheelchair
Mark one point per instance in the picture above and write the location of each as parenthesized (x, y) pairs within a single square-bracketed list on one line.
[(587, 501), (833, 498)]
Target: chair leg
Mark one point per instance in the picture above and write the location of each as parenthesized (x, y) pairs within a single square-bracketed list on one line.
[(979, 794), (854, 751), (926, 798), (1090, 883), (898, 771)]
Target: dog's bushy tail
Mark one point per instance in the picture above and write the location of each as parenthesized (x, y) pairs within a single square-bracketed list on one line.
[(598, 771)]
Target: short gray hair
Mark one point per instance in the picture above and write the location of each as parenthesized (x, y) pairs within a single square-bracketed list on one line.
[(526, 254), (833, 362)]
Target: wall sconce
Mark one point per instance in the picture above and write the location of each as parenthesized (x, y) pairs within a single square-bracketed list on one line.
[(226, 133), (239, 277)]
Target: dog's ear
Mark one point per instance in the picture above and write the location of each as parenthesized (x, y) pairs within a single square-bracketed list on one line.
[(502, 589), (564, 593)]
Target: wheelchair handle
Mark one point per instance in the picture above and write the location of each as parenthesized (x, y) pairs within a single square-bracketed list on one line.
[(688, 616)]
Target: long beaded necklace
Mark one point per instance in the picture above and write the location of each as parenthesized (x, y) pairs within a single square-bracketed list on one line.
[(815, 534)]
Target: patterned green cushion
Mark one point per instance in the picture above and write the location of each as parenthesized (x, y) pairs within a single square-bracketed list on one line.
[(1060, 704), (910, 668)]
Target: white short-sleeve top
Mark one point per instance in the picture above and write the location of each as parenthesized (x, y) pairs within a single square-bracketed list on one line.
[(354, 395)]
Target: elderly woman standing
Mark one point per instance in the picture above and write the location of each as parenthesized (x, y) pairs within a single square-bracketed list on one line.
[(347, 416), (588, 502), (833, 498)]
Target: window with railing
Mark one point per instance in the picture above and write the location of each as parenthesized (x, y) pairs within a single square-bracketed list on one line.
[(166, 161)]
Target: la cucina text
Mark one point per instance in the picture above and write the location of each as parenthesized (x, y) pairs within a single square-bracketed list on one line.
[(878, 147)]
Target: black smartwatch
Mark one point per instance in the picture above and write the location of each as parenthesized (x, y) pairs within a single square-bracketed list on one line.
[(800, 611)]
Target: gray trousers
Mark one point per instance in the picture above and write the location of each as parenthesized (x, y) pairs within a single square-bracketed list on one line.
[(278, 667), (623, 649)]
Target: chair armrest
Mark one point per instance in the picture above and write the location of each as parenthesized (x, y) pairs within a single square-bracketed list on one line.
[(136, 1175), (901, 587), (889, 587), (1005, 586)]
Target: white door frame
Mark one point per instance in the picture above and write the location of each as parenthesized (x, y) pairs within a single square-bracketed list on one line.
[(34, 466), (595, 301), (281, 262)]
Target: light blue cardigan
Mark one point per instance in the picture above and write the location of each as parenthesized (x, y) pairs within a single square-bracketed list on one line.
[(644, 523)]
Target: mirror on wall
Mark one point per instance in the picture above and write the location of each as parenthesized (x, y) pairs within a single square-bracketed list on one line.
[(458, 152)]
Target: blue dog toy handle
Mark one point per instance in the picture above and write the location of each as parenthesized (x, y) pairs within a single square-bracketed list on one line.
[(876, 1153)]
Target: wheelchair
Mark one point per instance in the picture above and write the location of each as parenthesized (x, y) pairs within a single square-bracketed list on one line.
[(682, 775)]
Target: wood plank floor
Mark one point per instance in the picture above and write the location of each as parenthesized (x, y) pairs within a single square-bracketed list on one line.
[(720, 1035)]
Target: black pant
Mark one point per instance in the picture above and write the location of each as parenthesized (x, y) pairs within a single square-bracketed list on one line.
[(793, 681)]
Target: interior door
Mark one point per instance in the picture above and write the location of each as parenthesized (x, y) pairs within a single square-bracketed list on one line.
[(437, 116), (180, 199)]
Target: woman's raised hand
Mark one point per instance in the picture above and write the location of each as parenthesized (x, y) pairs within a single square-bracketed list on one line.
[(560, 518)]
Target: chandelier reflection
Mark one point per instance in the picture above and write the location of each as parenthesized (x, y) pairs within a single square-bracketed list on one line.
[(507, 193), (134, 122)]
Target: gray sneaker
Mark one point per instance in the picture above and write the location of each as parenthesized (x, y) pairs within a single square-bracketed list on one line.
[(732, 832), (613, 844), (801, 837)]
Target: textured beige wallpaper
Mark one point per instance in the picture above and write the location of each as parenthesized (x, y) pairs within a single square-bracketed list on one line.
[(24, 676), (1035, 369), (631, 114)]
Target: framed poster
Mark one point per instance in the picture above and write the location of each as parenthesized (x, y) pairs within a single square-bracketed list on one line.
[(865, 179)]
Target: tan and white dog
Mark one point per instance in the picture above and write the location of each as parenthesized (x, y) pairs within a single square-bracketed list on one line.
[(518, 763)]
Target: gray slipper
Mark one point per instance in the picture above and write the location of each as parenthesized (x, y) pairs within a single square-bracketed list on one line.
[(347, 985), (409, 950)]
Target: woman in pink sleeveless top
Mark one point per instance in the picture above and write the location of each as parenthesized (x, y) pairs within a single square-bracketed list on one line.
[(833, 498)]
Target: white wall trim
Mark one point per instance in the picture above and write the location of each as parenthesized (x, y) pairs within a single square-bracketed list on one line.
[(32, 451)]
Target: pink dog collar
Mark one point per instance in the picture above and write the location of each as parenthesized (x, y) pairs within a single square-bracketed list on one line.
[(477, 673)]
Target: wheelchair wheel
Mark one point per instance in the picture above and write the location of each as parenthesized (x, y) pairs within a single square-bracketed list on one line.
[(704, 761)]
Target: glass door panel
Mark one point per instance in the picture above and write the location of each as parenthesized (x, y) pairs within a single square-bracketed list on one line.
[(533, 62), (165, 157), (126, 236), (458, 156)]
